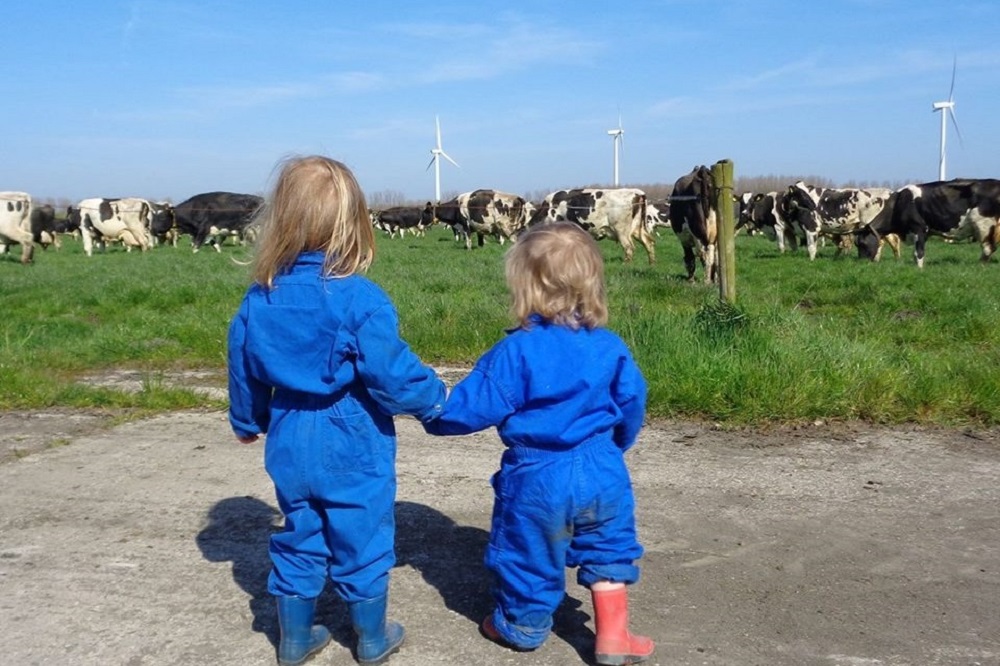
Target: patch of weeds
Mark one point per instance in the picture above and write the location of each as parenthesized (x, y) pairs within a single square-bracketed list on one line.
[(720, 320)]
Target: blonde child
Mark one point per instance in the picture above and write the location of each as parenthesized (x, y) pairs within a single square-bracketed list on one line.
[(568, 400), (317, 363)]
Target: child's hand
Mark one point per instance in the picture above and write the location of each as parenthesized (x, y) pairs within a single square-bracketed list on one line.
[(248, 440)]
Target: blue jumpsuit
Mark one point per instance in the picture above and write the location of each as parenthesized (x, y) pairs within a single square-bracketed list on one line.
[(317, 363), (567, 404)]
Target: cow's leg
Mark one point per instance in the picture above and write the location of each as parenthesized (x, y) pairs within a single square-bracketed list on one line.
[(990, 242), (27, 252), (628, 246), (707, 253), (650, 244), (689, 262), (811, 242), (129, 240), (918, 248)]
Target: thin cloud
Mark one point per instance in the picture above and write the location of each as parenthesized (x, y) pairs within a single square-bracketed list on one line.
[(508, 46)]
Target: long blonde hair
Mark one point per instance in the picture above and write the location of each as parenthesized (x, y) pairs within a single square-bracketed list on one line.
[(555, 270), (317, 205)]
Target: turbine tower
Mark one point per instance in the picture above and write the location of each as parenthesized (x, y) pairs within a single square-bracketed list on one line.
[(436, 154), (619, 137), (946, 109)]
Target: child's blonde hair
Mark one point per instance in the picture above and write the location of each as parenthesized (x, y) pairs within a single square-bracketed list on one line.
[(555, 270), (317, 205)]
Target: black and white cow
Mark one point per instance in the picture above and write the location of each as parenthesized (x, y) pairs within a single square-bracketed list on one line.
[(15, 223), (657, 216), (956, 210), (43, 226), (764, 212), (102, 220), (618, 213), (486, 213), (401, 219), (693, 219), (833, 212), (162, 223), (213, 216)]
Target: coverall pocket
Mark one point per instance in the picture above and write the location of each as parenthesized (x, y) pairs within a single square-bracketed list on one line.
[(357, 445)]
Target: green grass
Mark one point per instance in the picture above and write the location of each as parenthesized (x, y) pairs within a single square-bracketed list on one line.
[(836, 338)]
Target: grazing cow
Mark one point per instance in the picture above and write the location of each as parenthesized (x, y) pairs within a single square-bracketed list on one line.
[(213, 216), (657, 215), (162, 224), (956, 210), (832, 212), (43, 226), (15, 223), (487, 213), (405, 218), (103, 220), (619, 213), (765, 212), (693, 219)]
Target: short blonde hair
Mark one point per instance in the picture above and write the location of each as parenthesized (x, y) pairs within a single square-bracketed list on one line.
[(555, 270), (317, 205)]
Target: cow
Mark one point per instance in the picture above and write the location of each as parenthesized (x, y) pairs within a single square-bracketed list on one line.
[(619, 213), (764, 212), (956, 210), (657, 215), (487, 213), (44, 227), (832, 212), (401, 219), (212, 216), (693, 219), (162, 223), (15, 223), (102, 220)]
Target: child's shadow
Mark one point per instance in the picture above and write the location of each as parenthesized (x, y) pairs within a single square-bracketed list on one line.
[(450, 558), (238, 531)]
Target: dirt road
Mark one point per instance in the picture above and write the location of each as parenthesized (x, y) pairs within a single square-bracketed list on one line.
[(845, 545)]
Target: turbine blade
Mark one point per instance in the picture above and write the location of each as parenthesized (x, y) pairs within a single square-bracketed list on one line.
[(437, 124), (954, 67), (954, 123), (445, 155), (431, 163)]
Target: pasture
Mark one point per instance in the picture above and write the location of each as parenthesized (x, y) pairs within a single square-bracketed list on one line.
[(836, 338)]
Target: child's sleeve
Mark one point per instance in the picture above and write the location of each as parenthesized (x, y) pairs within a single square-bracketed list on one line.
[(249, 398), (630, 396), (392, 373), (483, 399)]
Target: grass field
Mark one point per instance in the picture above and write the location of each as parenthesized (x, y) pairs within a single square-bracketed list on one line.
[(836, 338)]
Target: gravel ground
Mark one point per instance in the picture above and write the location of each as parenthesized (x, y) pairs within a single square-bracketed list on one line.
[(144, 544)]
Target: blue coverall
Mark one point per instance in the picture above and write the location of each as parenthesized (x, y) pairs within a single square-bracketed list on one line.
[(317, 363), (567, 404)]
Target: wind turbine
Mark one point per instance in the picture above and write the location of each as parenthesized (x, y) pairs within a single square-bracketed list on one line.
[(947, 109), (436, 154), (619, 137)]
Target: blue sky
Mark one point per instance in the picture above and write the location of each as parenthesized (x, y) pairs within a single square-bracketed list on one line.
[(170, 98)]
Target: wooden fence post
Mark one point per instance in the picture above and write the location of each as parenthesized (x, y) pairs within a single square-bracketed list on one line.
[(722, 175)]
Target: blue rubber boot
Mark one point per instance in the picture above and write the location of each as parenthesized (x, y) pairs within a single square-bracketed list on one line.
[(377, 639), (300, 638)]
